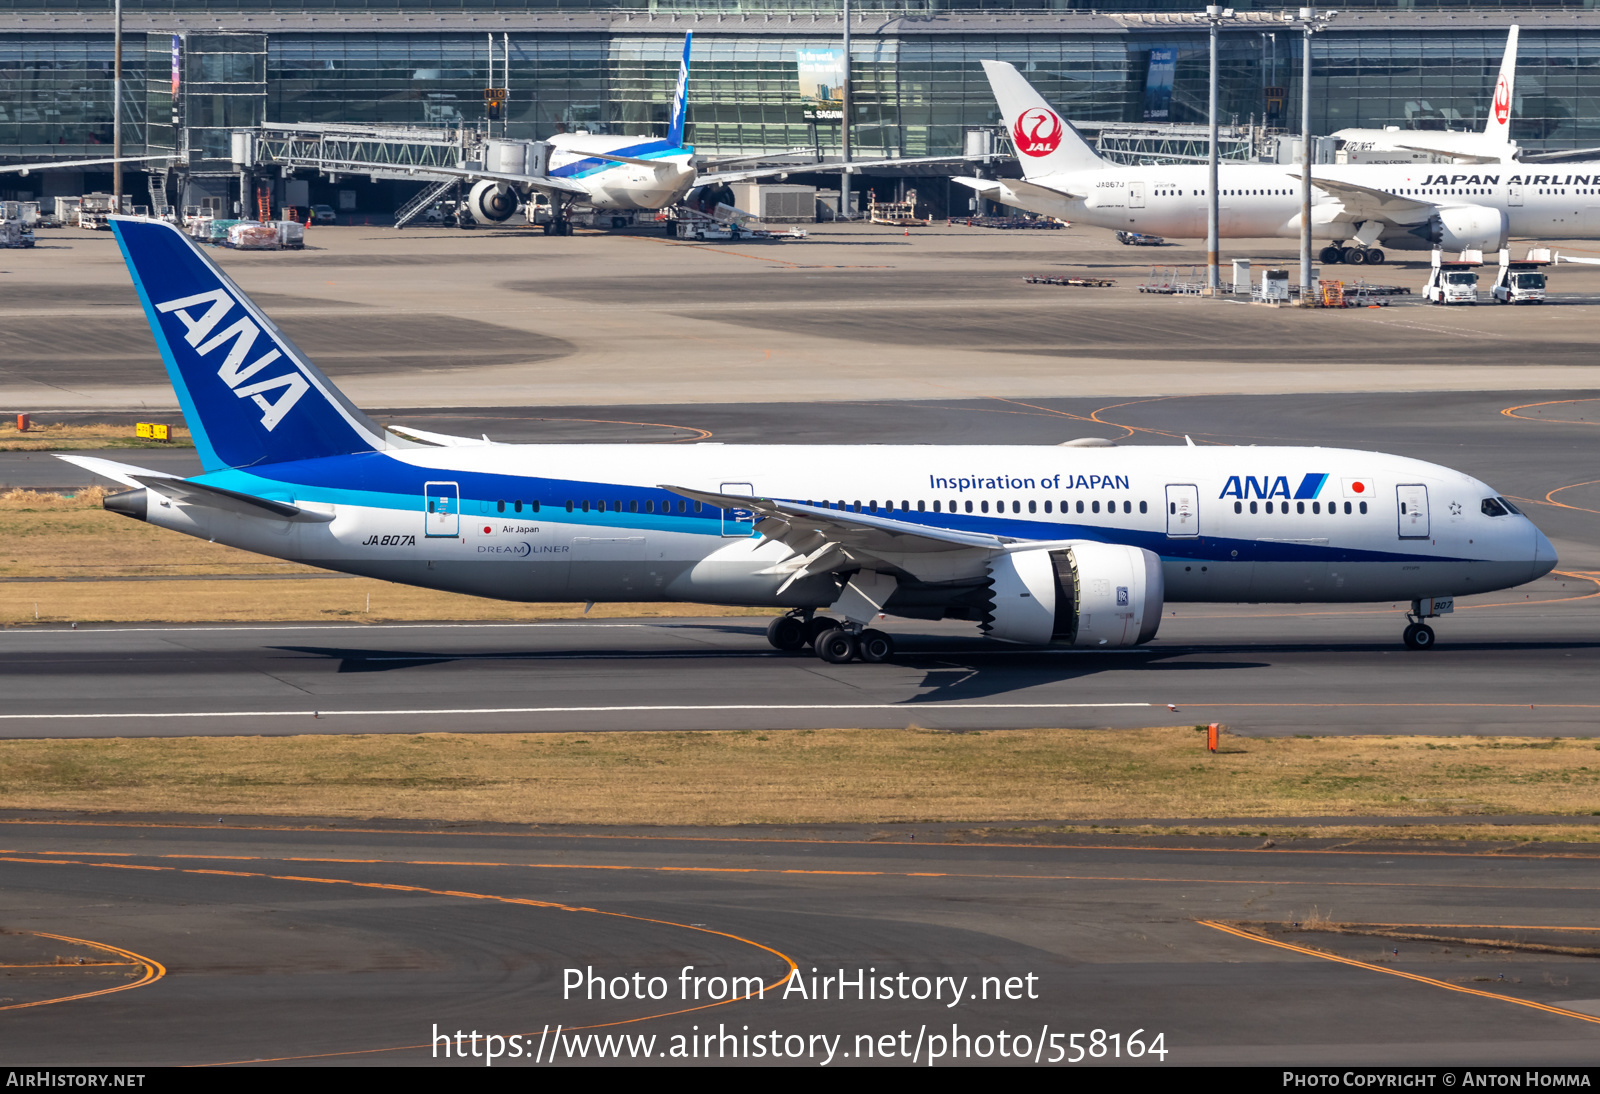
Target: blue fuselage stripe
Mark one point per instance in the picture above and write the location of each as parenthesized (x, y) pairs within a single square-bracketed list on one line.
[(386, 483)]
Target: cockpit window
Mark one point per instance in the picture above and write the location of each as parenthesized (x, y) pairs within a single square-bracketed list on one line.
[(1509, 507), (1492, 508)]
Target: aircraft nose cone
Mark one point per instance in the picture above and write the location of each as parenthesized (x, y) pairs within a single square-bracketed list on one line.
[(1544, 554)]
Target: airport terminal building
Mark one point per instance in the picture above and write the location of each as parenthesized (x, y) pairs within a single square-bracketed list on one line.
[(195, 70)]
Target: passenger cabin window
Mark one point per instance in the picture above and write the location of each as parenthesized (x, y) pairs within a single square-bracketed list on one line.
[(1144, 507), (500, 506), (516, 506)]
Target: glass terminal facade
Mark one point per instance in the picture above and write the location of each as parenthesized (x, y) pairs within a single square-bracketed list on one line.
[(918, 86)]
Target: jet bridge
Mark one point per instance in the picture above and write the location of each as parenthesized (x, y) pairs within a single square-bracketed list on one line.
[(442, 157)]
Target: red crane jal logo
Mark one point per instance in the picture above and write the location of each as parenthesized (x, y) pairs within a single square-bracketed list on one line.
[(1037, 132), (1502, 101)]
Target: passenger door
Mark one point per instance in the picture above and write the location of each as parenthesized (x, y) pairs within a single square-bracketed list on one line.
[(1413, 499), (738, 522), (1136, 195), (441, 509), (1183, 510)]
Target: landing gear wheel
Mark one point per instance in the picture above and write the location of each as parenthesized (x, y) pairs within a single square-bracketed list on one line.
[(1419, 636), (548, 228), (835, 646), (786, 633), (1375, 256), (816, 625), (1330, 256), (1354, 256), (875, 646)]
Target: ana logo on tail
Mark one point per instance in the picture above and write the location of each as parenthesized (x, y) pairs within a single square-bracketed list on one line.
[(1502, 101), (234, 371), (1037, 132)]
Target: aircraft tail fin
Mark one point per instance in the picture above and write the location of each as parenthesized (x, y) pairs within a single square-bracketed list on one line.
[(1046, 143), (249, 394), (680, 98), (1498, 124)]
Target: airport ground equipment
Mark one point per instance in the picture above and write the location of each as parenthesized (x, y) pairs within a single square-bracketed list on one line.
[(1076, 282), (14, 233), (1014, 223), (1453, 282), (1174, 280), (25, 211), (1139, 239), (1521, 282), (1274, 288), (899, 214)]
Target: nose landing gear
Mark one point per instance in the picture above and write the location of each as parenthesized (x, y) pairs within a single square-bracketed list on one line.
[(1418, 635)]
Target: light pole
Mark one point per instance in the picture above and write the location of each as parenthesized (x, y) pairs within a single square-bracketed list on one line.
[(1311, 22), (1214, 15), (116, 114), (844, 120)]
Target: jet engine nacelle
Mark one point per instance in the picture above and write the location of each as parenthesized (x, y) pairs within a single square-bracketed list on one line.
[(1099, 595), (491, 202), (1469, 228)]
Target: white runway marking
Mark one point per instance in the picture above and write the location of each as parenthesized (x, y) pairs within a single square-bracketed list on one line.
[(570, 710)]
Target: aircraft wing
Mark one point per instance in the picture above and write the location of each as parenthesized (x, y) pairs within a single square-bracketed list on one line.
[(1458, 155), (1371, 203), (1560, 155), (814, 168), (24, 168), (989, 188), (538, 182), (823, 539), (198, 493)]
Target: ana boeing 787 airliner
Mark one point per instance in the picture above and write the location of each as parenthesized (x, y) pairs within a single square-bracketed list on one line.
[(1069, 546)]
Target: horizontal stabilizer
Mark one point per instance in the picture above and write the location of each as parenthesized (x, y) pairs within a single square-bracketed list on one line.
[(187, 492), (443, 440), (215, 497)]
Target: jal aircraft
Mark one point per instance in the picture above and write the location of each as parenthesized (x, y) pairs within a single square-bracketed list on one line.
[(1362, 208), (1069, 546), (1493, 145)]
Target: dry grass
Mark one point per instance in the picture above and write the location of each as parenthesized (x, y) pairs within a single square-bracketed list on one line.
[(48, 437), (71, 536), (822, 776)]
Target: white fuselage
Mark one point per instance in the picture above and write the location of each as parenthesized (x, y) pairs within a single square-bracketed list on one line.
[(592, 522), (618, 186), (1263, 200)]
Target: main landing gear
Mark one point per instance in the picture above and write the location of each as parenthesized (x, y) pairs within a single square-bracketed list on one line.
[(1352, 256), (836, 642)]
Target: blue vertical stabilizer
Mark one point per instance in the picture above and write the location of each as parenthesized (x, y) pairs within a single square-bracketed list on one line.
[(249, 395), (680, 99)]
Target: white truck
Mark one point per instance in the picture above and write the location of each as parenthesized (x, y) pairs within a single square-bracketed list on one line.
[(1454, 282), (1521, 282)]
